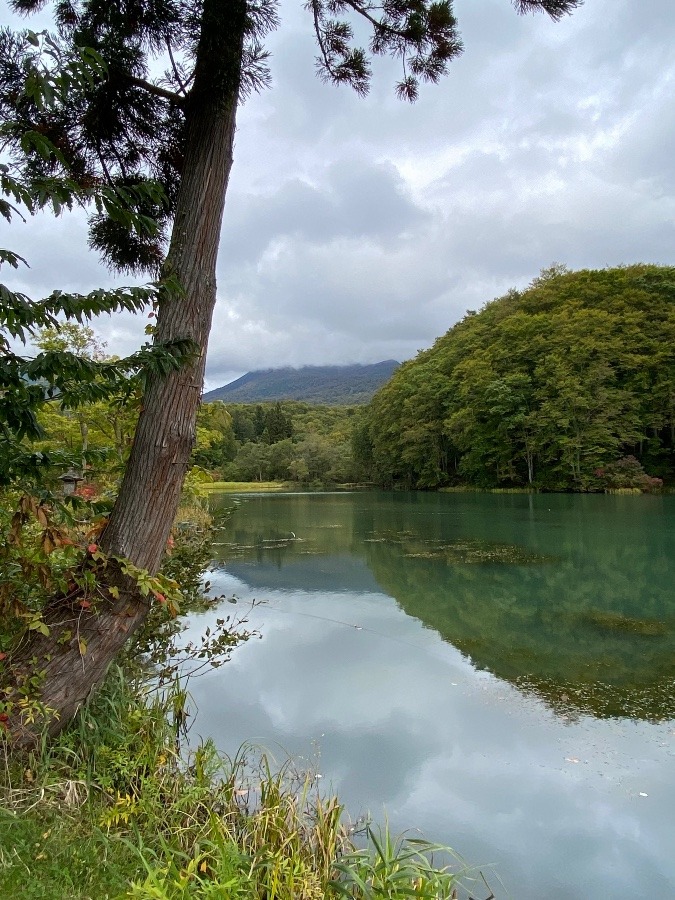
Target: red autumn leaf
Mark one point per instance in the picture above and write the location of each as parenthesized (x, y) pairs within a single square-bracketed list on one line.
[(85, 604), (3, 655), (160, 598), (92, 548)]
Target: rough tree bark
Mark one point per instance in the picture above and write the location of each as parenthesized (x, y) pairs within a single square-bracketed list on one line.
[(141, 520)]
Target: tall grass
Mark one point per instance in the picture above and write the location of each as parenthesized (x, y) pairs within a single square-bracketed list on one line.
[(114, 809), (390, 866)]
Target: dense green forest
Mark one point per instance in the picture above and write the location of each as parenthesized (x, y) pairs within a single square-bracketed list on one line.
[(285, 441), (568, 385)]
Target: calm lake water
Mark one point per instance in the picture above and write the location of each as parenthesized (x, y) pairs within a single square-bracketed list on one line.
[(496, 671)]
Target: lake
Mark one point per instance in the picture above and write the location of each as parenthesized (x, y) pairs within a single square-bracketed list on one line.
[(493, 670)]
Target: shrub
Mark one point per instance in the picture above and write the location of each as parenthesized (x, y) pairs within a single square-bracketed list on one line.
[(627, 472)]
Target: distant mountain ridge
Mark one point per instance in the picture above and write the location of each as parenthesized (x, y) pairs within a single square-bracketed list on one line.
[(330, 385)]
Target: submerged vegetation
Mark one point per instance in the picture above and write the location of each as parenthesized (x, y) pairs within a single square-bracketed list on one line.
[(576, 626), (613, 621), (570, 593), (462, 551)]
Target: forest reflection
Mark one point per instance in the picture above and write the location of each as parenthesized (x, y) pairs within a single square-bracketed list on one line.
[(567, 597)]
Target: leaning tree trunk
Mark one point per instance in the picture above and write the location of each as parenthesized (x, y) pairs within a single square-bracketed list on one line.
[(72, 660)]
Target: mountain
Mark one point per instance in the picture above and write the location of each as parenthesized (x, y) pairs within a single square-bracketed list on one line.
[(330, 385)]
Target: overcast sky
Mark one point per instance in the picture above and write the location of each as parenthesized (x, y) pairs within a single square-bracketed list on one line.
[(358, 230)]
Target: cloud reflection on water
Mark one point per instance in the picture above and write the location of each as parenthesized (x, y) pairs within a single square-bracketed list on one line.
[(402, 720)]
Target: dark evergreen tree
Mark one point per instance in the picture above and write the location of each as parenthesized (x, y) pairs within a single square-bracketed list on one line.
[(259, 420), (278, 425)]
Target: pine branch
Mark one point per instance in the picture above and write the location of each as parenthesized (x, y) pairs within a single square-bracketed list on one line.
[(175, 68), (556, 9), (155, 89)]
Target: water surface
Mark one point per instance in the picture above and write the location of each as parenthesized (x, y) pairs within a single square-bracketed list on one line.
[(494, 670)]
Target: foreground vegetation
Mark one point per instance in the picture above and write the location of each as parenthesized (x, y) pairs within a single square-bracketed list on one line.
[(120, 806), (114, 809)]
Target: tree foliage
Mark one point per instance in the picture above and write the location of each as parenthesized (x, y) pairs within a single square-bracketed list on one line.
[(28, 382), (285, 441), (543, 387), (37, 78), (422, 34)]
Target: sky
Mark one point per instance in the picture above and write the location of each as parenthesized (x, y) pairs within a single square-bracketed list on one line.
[(358, 230)]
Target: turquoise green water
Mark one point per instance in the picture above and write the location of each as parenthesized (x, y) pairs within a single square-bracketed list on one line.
[(495, 670)]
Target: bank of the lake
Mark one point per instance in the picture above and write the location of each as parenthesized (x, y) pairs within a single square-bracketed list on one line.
[(120, 806), (242, 487), (494, 669)]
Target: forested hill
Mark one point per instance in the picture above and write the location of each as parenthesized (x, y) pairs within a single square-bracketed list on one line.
[(330, 385), (568, 385)]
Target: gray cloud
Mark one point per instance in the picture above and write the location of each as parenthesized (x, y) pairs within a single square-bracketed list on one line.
[(355, 199), (361, 229)]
